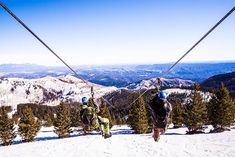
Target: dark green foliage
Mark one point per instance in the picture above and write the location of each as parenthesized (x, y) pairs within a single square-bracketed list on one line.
[(104, 112), (75, 117), (48, 120), (177, 115), (7, 133), (39, 111), (195, 113), (6, 108), (28, 126), (62, 121), (113, 118), (227, 79), (176, 98), (120, 103), (137, 118), (15, 118), (149, 117), (120, 120), (221, 110)]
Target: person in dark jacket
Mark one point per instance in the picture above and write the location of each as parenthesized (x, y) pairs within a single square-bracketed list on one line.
[(160, 112)]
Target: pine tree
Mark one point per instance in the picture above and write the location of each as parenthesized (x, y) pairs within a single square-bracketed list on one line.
[(104, 112), (62, 121), (28, 126), (195, 113), (48, 120), (221, 110), (113, 118), (137, 118), (7, 133), (75, 117), (177, 115), (119, 120), (149, 117)]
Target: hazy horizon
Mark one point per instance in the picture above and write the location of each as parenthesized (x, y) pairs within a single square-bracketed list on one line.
[(204, 62)]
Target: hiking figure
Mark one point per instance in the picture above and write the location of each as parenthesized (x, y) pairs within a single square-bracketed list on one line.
[(91, 120), (160, 112)]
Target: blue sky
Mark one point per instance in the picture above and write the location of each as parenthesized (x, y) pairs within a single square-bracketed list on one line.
[(116, 31)]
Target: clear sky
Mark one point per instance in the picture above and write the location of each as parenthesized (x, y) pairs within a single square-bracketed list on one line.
[(116, 31)]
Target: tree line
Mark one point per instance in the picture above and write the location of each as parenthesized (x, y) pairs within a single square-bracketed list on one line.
[(31, 117), (190, 110)]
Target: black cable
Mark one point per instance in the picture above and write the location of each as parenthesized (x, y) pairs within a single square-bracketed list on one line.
[(204, 36), (26, 27), (166, 72)]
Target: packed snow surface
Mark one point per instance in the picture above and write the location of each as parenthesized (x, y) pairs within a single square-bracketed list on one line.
[(125, 144)]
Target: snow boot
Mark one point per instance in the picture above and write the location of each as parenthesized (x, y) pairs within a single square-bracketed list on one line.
[(107, 135), (156, 134)]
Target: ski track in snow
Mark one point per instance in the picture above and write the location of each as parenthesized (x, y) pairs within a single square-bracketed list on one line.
[(125, 144)]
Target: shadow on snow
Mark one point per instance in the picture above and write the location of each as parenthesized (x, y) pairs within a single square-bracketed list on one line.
[(114, 132), (122, 131)]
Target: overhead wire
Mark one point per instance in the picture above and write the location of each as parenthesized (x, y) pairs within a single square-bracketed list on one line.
[(187, 52), (40, 40), (50, 49), (86, 82)]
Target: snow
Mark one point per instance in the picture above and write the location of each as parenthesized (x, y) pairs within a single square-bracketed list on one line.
[(206, 95), (47, 91), (125, 144), (152, 83)]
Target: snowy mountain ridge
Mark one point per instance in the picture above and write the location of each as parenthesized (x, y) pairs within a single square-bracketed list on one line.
[(152, 83), (47, 91)]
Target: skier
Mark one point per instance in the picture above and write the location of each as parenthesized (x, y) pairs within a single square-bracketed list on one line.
[(91, 120), (160, 111)]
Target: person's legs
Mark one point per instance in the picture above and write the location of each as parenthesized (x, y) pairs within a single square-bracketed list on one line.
[(104, 123), (102, 129), (156, 134), (162, 131), (86, 129)]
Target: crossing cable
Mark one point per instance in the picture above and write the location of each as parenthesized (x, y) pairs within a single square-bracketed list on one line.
[(53, 52), (163, 74), (40, 40), (187, 52)]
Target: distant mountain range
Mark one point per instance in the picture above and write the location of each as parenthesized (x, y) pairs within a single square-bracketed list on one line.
[(120, 76), (227, 79), (52, 90)]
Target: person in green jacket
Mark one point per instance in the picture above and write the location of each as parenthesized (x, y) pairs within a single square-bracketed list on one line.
[(91, 120)]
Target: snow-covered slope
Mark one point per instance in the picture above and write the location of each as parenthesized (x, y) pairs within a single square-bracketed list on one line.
[(47, 91), (205, 95), (124, 144), (151, 84)]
